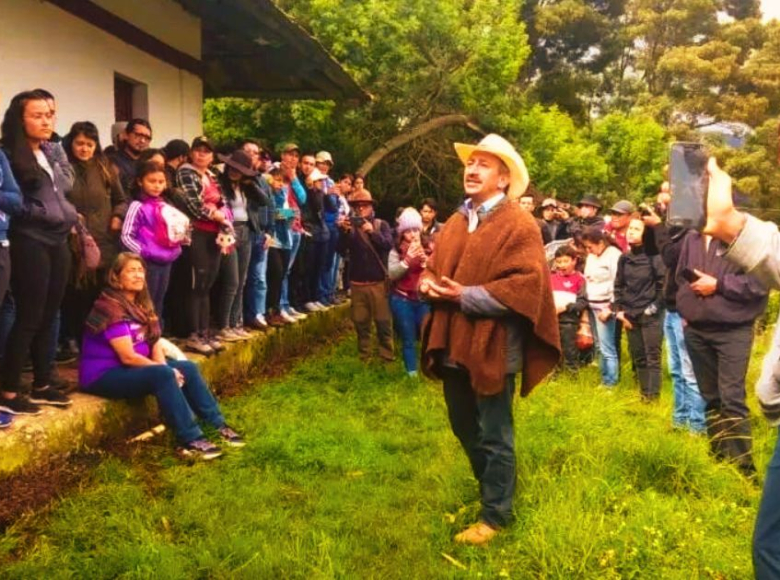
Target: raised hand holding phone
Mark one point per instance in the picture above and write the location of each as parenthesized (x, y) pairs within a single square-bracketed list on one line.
[(689, 183)]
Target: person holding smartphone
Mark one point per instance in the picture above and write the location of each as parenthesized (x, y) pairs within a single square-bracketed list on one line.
[(720, 302), (368, 241), (754, 245)]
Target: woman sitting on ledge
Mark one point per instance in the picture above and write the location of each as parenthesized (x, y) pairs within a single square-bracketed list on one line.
[(122, 358)]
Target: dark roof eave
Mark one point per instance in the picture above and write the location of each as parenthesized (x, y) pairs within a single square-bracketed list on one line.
[(262, 18)]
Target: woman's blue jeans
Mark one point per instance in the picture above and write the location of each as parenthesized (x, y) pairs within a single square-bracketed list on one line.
[(608, 357), (327, 278), (407, 320), (256, 288), (284, 304), (177, 404)]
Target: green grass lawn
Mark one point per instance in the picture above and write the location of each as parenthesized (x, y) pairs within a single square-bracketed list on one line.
[(351, 472)]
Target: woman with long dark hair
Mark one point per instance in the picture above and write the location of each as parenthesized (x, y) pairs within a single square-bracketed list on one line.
[(40, 258), (101, 203), (123, 358)]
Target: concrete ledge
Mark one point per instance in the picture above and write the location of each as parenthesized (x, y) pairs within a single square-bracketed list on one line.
[(89, 420)]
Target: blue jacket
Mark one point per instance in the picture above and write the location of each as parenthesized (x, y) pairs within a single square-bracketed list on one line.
[(10, 196)]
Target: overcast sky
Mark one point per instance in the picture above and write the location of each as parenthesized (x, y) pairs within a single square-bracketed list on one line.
[(771, 9)]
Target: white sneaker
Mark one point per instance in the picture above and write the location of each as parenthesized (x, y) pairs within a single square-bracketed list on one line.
[(311, 307), (295, 314), (259, 323), (321, 306), (287, 318)]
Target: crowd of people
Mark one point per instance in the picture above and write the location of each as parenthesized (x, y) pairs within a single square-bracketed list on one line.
[(107, 252), (630, 273), (226, 244)]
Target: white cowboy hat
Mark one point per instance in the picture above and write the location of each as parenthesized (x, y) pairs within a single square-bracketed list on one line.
[(501, 148), (316, 175)]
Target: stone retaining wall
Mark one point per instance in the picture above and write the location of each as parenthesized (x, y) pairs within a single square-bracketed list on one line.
[(90, 419)]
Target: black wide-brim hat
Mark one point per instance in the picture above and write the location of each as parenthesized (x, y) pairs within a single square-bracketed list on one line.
[(590, 200), (239, 161)]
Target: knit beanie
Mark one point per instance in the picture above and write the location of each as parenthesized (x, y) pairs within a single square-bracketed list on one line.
[(409, 220)]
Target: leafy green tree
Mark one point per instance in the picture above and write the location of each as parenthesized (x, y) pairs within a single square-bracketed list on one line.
[(635, 150), (561, 161)]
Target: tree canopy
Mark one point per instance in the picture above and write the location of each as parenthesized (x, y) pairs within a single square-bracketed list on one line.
[(591, 91)]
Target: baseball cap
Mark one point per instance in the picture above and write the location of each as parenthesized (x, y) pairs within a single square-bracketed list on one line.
[(549, 202), (323, 157), (288, 147), (202, 141), (623, 206)]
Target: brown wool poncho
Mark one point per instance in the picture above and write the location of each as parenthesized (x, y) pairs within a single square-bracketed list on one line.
[(504, 255)]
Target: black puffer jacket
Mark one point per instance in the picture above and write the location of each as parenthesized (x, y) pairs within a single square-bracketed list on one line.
[(639, 283)]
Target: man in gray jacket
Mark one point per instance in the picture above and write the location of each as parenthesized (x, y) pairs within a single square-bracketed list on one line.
[(755, 246)]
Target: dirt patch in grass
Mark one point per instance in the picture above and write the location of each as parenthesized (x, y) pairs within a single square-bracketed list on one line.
[(280, 364)]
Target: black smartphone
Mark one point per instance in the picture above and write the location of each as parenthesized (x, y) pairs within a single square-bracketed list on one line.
[(357, 221), (689, 275), (689, 181)]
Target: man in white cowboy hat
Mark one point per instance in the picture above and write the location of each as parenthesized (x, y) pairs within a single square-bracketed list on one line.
[(491, 319)]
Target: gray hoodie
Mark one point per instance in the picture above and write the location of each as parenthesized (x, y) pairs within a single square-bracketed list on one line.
[(757, 250)]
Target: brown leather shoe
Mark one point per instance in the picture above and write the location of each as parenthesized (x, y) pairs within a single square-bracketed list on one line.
[(477, 534), (276, 320)]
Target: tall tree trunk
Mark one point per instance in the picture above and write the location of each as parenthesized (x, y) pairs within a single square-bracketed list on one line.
[(412, 134)]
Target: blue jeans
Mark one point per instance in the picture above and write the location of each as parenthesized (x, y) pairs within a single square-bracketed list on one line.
[(284, 303), (157, 278), (177, 404), (484, 427), (766, 536), (688, 402), (608, 356), (256, 288), (407, 321)]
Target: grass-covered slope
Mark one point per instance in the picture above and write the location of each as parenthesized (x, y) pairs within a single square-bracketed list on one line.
[(351, 472)]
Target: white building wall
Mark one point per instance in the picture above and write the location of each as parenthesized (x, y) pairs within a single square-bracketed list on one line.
[(44, 46)]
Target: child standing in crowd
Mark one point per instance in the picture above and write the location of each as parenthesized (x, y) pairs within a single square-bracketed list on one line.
[(639, 306), (600, 272), (405, 263), (154, 230), (571, 300), (210, 216)]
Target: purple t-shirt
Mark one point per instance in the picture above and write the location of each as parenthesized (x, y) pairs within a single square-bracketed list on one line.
[(98, 356)]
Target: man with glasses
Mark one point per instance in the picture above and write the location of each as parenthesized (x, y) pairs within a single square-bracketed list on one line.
[(138, 136)]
